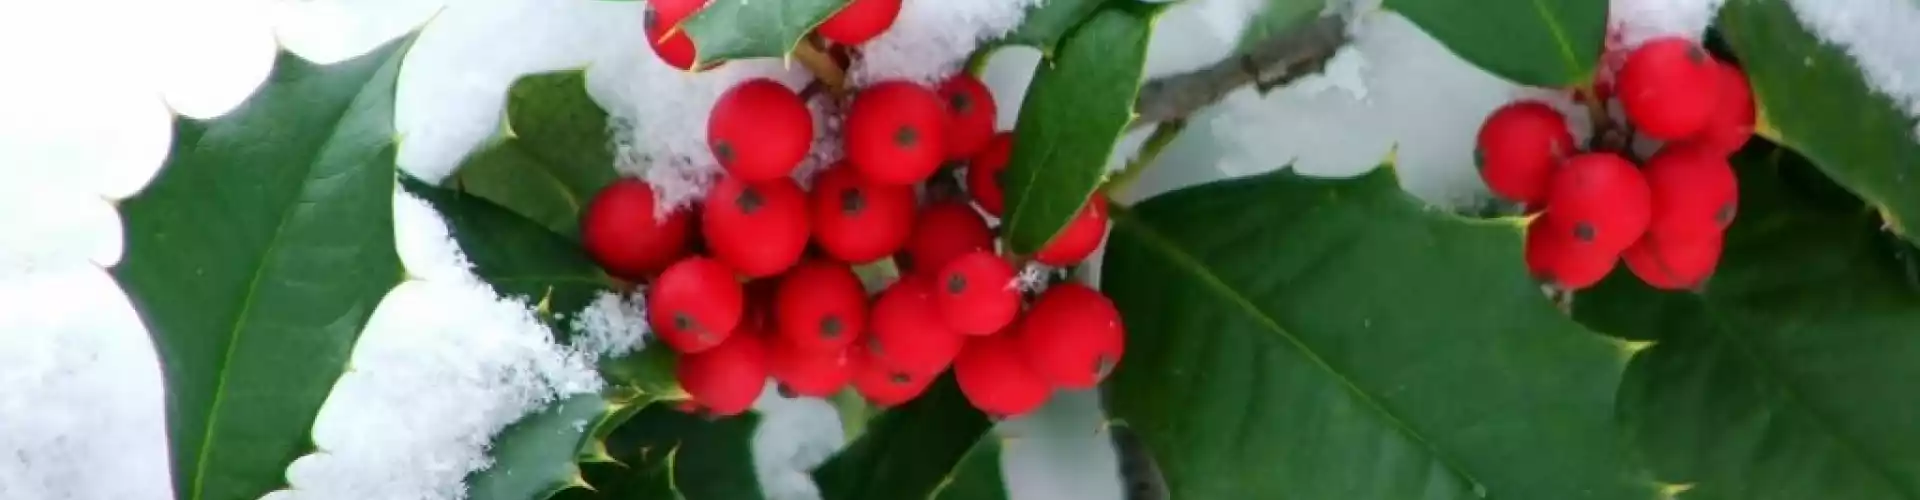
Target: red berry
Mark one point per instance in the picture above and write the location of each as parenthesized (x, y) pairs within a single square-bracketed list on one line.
[(821, 306), (1601, 200), (1676, 263), (996, 379), (985, 171), (1731, 123), (885, 387), (860, 20), (970, 115), (858, 221), (1518, 147), (622, 232), (1669, 88), (727, 378), (977, 293), (946, 230), (695, 304), (895, 132), (808, 373), (760, 130), (1694, 192), (1073, 336), (1558, 259), (662, 15), (905, 331), (1080, 238), (758, 229)]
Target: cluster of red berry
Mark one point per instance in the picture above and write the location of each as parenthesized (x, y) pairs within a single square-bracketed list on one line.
[(1666, 217), (803, 316)]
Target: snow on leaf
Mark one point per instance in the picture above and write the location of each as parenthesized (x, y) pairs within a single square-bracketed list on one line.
[(931, 39)]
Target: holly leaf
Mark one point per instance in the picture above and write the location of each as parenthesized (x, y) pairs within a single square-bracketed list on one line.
[(1335, 338), (555, 157), (742, 29), (664, 453), (1543, 43), (534, 458), (1048, 21), (978, 475), (518, 256), (916, 450), (1789, 377), (1816, 101), (256, 256), (1075, 111)]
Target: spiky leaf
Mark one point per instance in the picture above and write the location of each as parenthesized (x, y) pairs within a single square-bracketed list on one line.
[(534, 458), (555, 158), (664, 453), (256, 256), (1546, 43), (741, 29), (913, 451)]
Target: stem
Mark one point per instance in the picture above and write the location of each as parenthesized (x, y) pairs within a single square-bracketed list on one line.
[(1271, 63), (1163, 134), (822, 65)]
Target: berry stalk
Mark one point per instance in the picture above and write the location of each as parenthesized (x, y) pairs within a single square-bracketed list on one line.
[(822, 65)]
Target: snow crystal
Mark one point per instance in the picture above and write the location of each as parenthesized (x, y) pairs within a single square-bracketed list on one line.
[(932, 38), (1636, 21), (1880, 36), (794, 436), (612, 326)]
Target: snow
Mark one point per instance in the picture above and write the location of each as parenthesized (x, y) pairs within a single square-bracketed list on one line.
[(1636, 21), (612, 326), (932, 39), (1880, 36), (794, 436)]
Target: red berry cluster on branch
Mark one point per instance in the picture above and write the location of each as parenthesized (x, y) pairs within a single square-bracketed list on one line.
[(1667, 215), (759, 281)]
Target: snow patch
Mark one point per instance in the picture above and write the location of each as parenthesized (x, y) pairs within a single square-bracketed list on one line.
[(1211, 30), (1636, 21), (794, 436), (932, 38), (612, 326), (1880, 36)]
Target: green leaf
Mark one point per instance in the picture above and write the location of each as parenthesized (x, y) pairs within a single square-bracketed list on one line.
[(978, 475), (1047, 22), (1543, 43), (742, 29), (1073, 114), (1790, 377), (1816, 102), (517, 256), (534, 458), (1335, 338), (912, 451), (556, 157), (256, 256), (664, 453)]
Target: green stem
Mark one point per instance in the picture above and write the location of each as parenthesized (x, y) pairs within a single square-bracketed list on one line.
[(1163, 134)]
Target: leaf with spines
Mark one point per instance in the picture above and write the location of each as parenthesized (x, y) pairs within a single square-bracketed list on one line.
[(664, 453), (1073, 114), (1815, 100), (1335, 338), (255, 258), (555, 158), (1789, 376), (1544, 43), (742, 29), (917, 450)]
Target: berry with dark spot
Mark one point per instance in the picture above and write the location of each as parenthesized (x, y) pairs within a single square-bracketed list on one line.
[(985, 174), (695, 304), (626, 236), (803, 372), (884, 387), (970, 115), (895, 132), (977, 293), (995, 378), (1601, 200), (1675, 263), (1731, 123), (1669, 88), (1080, 238), (1556, 258), (858, 221), (820, 306), (945, 230), (760, 130), (758, 229), (1518, 147), (905, 332), (725, 380), (860, 20), (1694, 192), (1072, 336)]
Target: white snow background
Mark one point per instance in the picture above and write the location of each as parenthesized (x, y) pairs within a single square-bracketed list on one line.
[(84, 121)]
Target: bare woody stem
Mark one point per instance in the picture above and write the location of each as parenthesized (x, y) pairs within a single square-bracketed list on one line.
[(1271, 63), (810, 54)]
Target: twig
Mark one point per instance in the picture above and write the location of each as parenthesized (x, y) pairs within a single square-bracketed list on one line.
[(822, 65), (1271, 63), (1163, 134)]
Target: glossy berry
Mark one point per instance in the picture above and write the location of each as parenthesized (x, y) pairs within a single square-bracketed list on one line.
[(860, 20), (726, 379), (695, 304), (895, 132), (1518, 147), (1694, 191), (995, 378), (858, 221), (1557, 259), (977, 293), (1072, 336), (760, 130), (970, 115), (1599, 199), (1731, 123), (1677, 263), (985, 171), (905, 332), (1669, 88), (1080, 238), (662, 16), (757, 229), (821, 306), (885, 387), (801, 372), (946, 230), (623, 233)]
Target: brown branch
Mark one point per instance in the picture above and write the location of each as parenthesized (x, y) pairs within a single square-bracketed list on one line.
[(1271, 63), (824, 68)]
